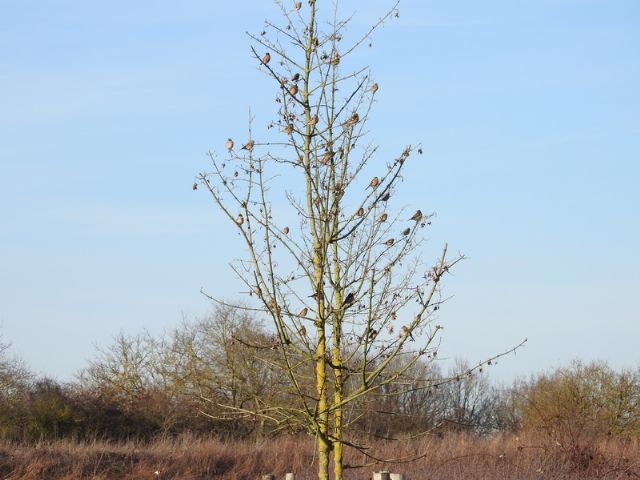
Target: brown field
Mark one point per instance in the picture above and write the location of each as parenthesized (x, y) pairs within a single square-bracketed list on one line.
[(455, 457)]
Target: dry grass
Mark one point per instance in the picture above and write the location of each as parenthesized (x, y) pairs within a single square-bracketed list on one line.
[(455, 457), (459, 457)]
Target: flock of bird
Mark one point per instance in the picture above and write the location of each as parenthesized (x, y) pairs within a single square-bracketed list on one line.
[(374, 183)]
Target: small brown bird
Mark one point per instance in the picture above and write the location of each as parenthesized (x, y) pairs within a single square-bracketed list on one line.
[(302, 331), (293, 90), (389, 242), (288, 129), (383, 217), (248, 146), (407, 333), (417, 216), (297, 6), (335, 60), (286, 230), (314, 120), (267, 58), (340, 152), (353, 119), (303, 312), (194, 186), (360, 212), (272, 305), (374, 88), (258, 290), (406, 231), (385, 197), (296, 77), (229, 144), (239, 219), (375, 181), (326, 158)]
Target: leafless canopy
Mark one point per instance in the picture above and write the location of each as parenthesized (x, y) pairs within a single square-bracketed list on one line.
[(329, 256)]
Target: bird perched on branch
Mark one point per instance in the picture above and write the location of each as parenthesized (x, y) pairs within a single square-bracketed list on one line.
[(194, 186), (240, 219), (417, 216), (374, 88), (349, 300), (285, 230), (407, 333), (385, 197), (406, 231), (296, 77), (303, 312), (314, 120), (389, 242), (316, 296), (383, 217), (360, 212), (288, 129), (297, 6), (353, 119), (267, 58), (273, 306), (326, 158), (229, 144), (375, 181), (248, 146), (293, 90)]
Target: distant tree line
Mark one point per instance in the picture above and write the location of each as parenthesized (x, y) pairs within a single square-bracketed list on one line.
[(144, 386)]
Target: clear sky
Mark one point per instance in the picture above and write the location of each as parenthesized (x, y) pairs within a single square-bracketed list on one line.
[(529, 113)]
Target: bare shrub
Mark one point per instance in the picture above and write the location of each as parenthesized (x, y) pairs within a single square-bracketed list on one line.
[(575, 408)]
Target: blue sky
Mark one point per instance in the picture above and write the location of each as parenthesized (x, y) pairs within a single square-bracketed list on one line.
[(528, 113)]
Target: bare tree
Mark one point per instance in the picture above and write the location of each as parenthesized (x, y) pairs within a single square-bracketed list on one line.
[(469, 400), (329, 260), (13, 373), (198, 363), (15, 380), (213, 359)]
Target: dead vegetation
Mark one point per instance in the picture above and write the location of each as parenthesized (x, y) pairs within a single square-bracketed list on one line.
[(453, 457)]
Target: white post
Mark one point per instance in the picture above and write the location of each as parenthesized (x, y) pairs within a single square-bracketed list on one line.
[(289, 476), (397, 476), (384, 475), (269, 477)]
